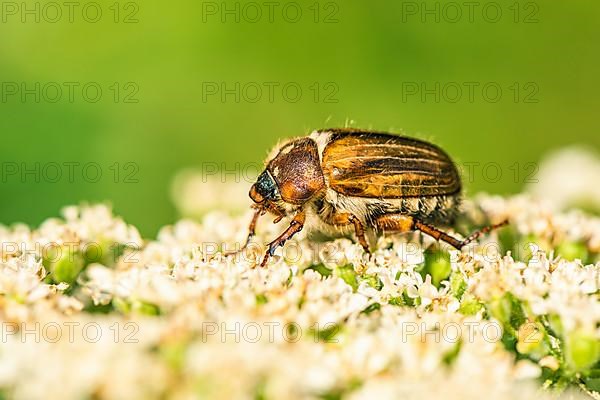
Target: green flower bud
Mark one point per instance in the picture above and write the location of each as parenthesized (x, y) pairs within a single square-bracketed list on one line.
[(457, 284), (508, 310), (121, 305), (261, 299), (530, 340), (373, 281), (499, 308), (555, 325), (64, 264), (437, 264), (582, 350), (145, 308), (321, 269), (348, 275), (469, 305), (135, 306)]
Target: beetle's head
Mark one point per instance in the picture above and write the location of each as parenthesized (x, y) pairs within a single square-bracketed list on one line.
[(293, 177), (265, 189)]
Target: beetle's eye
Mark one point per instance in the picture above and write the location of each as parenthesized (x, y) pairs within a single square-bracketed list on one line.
[(255, 196), (264, 188)]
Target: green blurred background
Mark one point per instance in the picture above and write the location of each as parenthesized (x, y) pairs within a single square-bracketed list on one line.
[(357, 63)]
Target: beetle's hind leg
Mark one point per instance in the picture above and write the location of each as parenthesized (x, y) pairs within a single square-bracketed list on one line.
[(406, 223), (473, 236), (438, 234)]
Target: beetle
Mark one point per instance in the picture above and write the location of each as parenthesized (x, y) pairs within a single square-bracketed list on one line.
[(343, 180)]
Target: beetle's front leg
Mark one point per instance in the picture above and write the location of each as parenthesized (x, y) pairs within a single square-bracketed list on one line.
[(252, 227), (251, 231), (295, 226)]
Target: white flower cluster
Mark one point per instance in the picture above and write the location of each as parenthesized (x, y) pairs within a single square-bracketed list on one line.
[(179, 317)]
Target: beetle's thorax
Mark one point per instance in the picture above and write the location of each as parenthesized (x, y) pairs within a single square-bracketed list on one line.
[(296, 170)]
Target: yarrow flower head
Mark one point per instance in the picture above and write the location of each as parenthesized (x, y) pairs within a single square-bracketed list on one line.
[(182, 317)]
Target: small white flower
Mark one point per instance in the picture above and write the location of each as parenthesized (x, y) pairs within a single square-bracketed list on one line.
[(427, 292)]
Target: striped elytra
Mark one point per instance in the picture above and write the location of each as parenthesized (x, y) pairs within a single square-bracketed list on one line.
[(381, 165)]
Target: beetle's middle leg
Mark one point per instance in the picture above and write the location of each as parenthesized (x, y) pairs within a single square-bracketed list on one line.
[(344, 219), (406, 223)]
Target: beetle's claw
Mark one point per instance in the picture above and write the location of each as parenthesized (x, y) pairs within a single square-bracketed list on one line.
[(272, 247), (269, 253)]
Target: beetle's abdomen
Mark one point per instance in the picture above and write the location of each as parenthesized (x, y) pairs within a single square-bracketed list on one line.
[(379, 165)]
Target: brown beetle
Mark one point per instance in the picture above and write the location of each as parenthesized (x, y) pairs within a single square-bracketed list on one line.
[(337, 180)]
